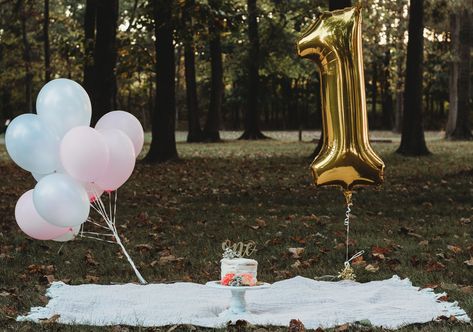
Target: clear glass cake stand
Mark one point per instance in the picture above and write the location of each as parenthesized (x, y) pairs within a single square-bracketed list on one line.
[(237, 302)]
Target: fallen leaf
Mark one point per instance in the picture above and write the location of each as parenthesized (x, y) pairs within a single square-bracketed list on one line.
[(91, 278), (424, 243), (51, 320), (296, 325), (469, 262), (434, 266), (49, 278), (296, 265), (144, 247), (454, 249), (342, 328), (359, 261), (296, 252), (372, 268)]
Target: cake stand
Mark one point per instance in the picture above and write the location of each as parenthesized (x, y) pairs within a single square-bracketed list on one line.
[(237, 302)]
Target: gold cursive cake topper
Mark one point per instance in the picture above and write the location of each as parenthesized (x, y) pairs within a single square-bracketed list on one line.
[(238, 249)]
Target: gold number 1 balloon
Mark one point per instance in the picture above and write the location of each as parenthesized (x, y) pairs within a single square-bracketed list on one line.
[(333, 41)]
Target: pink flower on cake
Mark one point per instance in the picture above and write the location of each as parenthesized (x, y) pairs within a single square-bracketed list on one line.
[(227, 278), (247, 279)]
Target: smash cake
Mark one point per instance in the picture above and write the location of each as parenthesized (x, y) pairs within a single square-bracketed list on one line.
[(236, 270)]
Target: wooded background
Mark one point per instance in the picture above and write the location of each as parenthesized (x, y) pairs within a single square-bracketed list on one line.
[(208, 65)]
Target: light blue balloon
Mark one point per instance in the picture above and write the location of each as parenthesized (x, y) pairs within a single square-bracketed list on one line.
[(31, 145), (63, 104), (61, 200), (38, 176)]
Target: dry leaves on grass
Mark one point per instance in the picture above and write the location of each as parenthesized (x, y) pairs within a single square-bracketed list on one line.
[(296, 252), (434, 266), (454, 249), (469, 262), (372, 268)]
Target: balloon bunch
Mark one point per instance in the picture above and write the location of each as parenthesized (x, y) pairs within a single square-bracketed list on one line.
[(73, 163)]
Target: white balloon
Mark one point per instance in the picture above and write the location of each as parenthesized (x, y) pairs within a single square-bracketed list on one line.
[(63, 104), (61, 200), (125, 122), (31, 145), (71, 235)]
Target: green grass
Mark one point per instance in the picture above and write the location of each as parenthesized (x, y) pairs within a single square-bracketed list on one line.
[(218, 191)]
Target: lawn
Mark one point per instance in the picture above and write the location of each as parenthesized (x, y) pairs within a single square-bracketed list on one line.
[(175, 216)]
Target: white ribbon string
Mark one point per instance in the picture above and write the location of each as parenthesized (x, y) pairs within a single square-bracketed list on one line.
[(109, 217)]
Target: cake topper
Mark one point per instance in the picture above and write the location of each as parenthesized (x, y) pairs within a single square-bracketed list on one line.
[(238, 249)]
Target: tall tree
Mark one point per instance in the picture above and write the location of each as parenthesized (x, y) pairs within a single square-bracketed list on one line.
[(412, 138), (23, 15), (252, 130), (163, 144), (105, 58), (386, 95), (89, 46), (47, 50), (458, 125), (212, 124), (332, 5), (338, 4), (194, 130)]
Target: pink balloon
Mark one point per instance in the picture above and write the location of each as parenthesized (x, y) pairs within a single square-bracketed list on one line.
[(122, 160), (84, 153), (93, 190), (127, 123), (31, 223)]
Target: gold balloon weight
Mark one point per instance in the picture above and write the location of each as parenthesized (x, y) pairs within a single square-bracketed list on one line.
[(333, 42), (346, 158)]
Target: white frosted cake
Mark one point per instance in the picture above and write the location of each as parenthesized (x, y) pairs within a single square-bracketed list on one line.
[(236, 270), (238, 266)]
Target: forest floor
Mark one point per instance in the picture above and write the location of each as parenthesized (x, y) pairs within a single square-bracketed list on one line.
[(174, 217)]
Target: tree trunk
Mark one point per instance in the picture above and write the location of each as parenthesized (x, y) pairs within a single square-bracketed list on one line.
[(412, 139), (458, 125), (47, 50), (163, 143), (374, 92), (332, 5), (252, 130), (212, 125), (387, 98), (105, 58), (23, 15), (194, 130), (338, 4), (89, 46)]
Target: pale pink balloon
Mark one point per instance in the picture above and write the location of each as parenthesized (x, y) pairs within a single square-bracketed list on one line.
[(125, 122), (31, 223), (121, 162), (93, 190), (84, 153)]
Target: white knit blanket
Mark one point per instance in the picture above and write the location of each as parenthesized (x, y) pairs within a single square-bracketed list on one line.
[(389, 303)]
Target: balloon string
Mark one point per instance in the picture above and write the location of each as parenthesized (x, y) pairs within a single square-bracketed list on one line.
[(109, 218), (347, 225)]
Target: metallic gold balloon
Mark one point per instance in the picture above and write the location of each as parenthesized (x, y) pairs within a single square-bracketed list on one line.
[(333, 42)]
